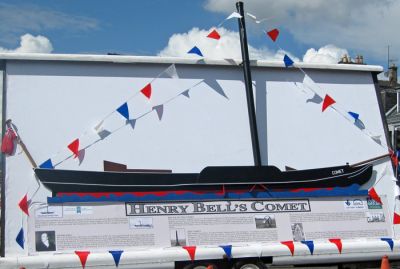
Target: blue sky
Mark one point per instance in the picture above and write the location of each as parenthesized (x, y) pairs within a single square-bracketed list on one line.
[(146, 27)]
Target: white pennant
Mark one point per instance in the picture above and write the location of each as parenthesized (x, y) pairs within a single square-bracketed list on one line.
[(254, 18), (234, 15), (160, 111), (171, 71), (186, 93), (99, 126)]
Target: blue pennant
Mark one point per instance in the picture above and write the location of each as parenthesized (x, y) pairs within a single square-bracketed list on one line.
[(288, 62), (20, 238), (124, 111), (310, 245), (354, 115), (196, 50), (47, 164), (389, 241), (228, 250), (116, 255)]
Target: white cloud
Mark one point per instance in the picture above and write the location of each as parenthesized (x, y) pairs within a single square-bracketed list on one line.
[(31, 44), (228, 47), (329, 54), (365, 27)]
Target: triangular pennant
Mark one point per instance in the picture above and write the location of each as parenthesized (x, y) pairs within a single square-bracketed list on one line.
[(389, 241), (124, 110), (310, 245), (214, 35), (20, 238), (328, 101), (186, 93), (160, 111), (171, 71), (234, 15), (47, 165), (338, 243), (24, 205), (228, 251), (191, 250), (195, 50), (273, 34), (146, 91), (74, 147), (83, 255), (354, 115), (116, 255), (374, 195), (99, 126), (132, 123), (290, 245), (396, 218), (288, 62)]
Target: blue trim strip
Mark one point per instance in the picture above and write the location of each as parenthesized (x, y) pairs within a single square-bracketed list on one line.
[(347, 191)]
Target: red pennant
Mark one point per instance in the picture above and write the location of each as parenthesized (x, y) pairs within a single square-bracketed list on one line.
[(394, 158), (191, 250), (214, 34), (83, 255), (8, 142), (338, 243), (146, 91), (290, 245), (23, 204), (328, 101), (372, 193), (273, 34), (74, 147), (396, 218)]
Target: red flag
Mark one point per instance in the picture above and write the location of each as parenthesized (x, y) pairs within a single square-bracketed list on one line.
[(396, 218), (273, 34), (328, 101), (290, 245), (394, 158), (214, 34), (8, 142), (338, 243), (74, 147), (191, 250), (23, 204), (146, 91), (372, 193), (83, 255)]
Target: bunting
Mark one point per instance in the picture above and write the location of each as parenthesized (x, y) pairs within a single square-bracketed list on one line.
[(146, 91), (160, 111), (234, 15), (338, 243), (290, 245), (83, 255), (288, 62), (354, 115), (186, 94), (171, 72), (328, 101), (310, 245), (396, 218), (191, 251), (20, 238), (195, 50), (228, 251), (389, 241), (273, 34), (374, 195), (116, 254), (74, 147), (47, 164), (124, 111), (214, 35), (24, 205)]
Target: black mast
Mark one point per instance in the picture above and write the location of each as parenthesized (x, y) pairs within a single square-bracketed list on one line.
[(249, 86)]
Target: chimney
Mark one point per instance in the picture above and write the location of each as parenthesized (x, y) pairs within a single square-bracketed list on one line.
[(393, 76)]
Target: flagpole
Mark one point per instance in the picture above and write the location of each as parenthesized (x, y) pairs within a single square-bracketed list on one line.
[(249, 86)]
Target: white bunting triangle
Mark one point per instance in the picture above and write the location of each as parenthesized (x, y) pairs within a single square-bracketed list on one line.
[(234, 15), (160, 111), (186, 93), (171, 71)]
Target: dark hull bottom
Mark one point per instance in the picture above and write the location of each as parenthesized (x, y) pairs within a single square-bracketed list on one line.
[(210, 179)]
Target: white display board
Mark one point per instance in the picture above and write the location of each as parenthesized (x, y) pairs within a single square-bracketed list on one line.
[(54, 102)]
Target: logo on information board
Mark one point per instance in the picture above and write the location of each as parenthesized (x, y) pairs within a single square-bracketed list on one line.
[(372, 204), (354, 204)]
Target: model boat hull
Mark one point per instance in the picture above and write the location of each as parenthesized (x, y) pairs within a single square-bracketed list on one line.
[(209, 179)]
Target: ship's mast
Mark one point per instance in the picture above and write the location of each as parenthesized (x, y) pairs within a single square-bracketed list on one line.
[(249, 86)]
